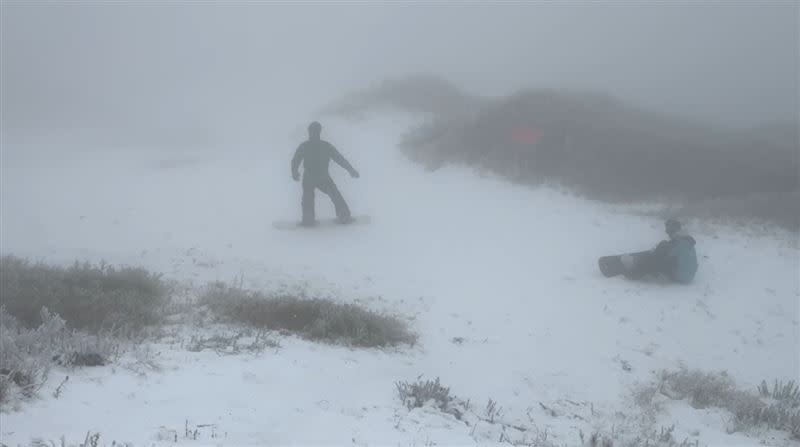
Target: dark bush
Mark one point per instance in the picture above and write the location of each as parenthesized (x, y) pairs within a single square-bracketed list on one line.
[(86, 296)]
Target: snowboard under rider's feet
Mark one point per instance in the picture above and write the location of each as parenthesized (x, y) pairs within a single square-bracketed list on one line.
[(339, 220)]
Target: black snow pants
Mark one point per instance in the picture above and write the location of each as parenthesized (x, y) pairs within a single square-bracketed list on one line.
[(656, 262), (329, 188)]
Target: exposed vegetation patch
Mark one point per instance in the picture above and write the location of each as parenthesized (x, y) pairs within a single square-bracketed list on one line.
[(86, 296), (68, 317), (776, 408), (312, 318), (419, 393)]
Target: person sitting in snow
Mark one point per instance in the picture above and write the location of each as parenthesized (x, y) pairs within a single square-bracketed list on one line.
[(674, 258), (316, 154)]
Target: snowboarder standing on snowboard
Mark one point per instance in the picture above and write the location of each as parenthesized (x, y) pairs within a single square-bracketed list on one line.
[(674, 258), (315, 154)]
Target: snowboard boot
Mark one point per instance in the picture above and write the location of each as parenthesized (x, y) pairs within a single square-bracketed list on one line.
[(345, 220)]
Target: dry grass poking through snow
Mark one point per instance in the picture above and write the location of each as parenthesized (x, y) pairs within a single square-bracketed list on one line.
[(419, 393), (90, 297), (777, 408), (491, 423), (312, 318)]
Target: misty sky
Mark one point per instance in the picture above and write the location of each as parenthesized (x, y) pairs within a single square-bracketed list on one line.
[(204, 64)]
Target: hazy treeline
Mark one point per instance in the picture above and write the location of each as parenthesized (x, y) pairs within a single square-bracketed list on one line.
[(597, 145)]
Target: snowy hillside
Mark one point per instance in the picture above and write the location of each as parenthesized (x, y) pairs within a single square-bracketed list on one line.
[(499, 281)]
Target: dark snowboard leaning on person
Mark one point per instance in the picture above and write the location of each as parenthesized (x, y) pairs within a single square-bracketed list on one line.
[(315, 154), (675, 258)]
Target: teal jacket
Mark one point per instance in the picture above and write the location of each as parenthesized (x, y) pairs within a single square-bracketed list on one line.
[(683, 258)]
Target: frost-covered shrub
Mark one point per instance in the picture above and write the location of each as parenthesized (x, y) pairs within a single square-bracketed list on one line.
[(705, 389), (26, 355), (90, 297), (419, 393)]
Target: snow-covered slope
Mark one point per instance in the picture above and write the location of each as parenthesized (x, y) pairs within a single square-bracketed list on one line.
[(511, 270)]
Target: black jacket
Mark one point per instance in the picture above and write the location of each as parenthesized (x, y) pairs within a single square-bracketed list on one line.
[(316, 156)]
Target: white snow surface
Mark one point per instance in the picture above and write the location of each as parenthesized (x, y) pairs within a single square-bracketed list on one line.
[(510, 269)]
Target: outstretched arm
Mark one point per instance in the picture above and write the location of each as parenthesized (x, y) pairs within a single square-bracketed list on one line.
[(298, 157), (341, 161)]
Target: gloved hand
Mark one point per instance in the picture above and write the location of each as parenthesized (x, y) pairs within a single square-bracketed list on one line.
[(296, 176), (354, 174)]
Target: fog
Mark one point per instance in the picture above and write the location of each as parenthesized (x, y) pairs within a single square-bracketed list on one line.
[(236, 69), (584, 218)]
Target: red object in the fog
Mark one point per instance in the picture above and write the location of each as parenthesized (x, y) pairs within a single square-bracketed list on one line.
[(525, 135)]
